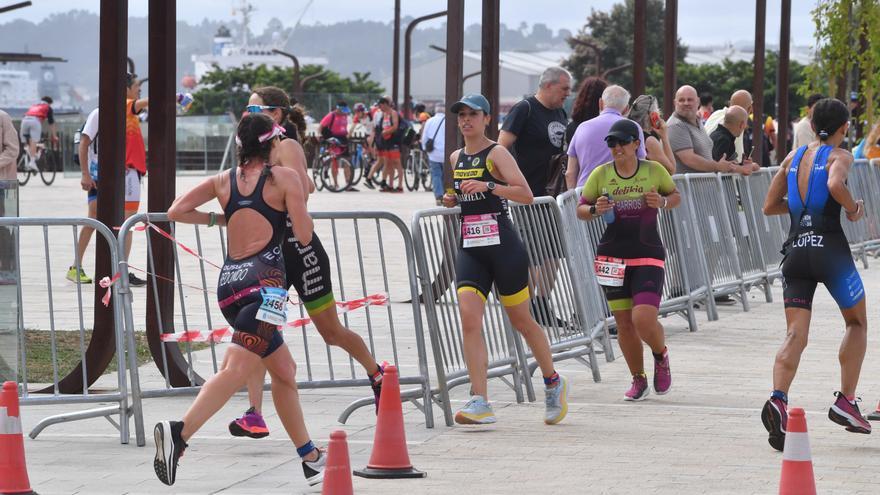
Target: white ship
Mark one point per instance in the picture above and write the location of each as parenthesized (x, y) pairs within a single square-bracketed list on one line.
[(17, 89), (227, 54)]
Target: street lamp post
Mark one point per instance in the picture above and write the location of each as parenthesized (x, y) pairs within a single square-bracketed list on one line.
[(407, 60), (297, 85)]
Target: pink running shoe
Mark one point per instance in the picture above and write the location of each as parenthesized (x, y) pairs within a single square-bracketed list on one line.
[(775, 419), (847, 414), (249, 425), (662, 374), (639, 389)]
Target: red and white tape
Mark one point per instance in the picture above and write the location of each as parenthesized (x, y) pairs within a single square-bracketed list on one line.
[(224, 334)]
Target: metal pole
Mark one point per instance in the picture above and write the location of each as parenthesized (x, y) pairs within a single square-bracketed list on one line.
[(489, 59), (454, 72), (758, 84), (640, 47), (111, 122), (782, 82), (407, 60), (297, 87), (670, 43), (395, 70)]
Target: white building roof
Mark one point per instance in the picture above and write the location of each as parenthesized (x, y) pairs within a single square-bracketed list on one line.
[(526, 63), (715, 54)]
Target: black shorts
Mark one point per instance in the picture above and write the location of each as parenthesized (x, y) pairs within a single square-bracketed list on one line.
[(824, 258), (242, 292), (506, 265), (642, 285), (308, 272)]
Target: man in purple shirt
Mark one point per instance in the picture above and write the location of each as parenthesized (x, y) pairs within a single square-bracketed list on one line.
[(587, 149)]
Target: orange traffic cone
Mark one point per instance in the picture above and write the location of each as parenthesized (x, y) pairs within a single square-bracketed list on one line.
[(797, 464), (337, 473), (390, 459), (875, 416), (13, 470)]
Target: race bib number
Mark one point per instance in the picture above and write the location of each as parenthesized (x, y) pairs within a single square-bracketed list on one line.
[(610, 271), (274, 307), (479, 230)]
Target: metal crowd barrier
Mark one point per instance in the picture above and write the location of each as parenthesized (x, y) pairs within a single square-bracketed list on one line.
[(370, 253), (863, 235), (741, 214), (436, 233), (552, 277), (46, 303)]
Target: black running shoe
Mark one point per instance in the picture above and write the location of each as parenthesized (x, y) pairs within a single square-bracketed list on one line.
[(133, 281), (169, 450), (314, 470), (377, 388), (775, 419)]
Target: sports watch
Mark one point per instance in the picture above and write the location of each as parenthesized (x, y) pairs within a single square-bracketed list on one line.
[(491, 186)]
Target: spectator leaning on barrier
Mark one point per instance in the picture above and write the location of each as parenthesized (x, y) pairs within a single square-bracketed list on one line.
[(534, 129), (8, 147), (740, 98), (8, 157), (646, 113), (803, 130), (586, 104), (587, 149), (725, 135), (689, 142), (434, 144)]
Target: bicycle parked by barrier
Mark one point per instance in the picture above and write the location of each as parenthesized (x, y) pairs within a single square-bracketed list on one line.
[(47, 160), (416, 170), (331, 167)]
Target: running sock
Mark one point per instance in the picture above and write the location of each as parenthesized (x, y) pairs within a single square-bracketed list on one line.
[(641, 374), (659, 357), (779, 394), (851, 398), (305, 450), (552, 380)]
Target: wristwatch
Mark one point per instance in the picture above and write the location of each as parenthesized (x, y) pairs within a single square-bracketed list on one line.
[(593, 210), (491, 186)]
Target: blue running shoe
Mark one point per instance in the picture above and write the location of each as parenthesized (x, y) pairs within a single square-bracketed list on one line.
[(477, 411), (556, 402)]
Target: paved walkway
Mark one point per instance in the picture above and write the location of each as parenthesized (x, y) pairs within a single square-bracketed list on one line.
[(704, 437)]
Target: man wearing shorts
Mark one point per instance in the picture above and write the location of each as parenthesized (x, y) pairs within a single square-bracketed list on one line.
[(32, 129)]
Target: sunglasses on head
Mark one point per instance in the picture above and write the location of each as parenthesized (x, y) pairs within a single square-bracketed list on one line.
[(613, 142), (259, 108)]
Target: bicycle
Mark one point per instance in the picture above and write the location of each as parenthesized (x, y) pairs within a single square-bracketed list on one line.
[(47, 164), (416, 170), (335, 170)]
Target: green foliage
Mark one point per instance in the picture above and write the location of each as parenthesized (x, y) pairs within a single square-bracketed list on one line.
[(847, 37), (721, 80), (229, 90), (612, 33)]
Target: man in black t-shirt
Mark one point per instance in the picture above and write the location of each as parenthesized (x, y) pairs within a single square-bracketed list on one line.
[(535, 127), (534, 131)]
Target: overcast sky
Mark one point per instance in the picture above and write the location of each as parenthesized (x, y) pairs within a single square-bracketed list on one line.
[(700, 22)]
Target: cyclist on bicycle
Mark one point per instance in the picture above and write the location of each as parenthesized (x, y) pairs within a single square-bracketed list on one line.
[(334, 131), (32, 129)]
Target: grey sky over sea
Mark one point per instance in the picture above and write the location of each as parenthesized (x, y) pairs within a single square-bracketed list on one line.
[(700, 22)]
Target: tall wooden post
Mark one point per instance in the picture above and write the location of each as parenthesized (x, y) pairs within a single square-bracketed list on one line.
[(670, 56), (782, 82), (454, 73), (640, 48), (758, 83), (489, 60)]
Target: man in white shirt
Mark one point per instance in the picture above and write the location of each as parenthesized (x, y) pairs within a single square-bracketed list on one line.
[(88, 164), (434, 143), (803, 130)]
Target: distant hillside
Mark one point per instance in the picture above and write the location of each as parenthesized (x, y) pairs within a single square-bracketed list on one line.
[(349, 46)]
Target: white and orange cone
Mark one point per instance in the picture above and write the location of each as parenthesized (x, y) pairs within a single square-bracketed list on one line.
[(797, 463)]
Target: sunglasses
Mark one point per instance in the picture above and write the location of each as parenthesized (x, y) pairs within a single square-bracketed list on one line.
[(614, 142), (259, 108)]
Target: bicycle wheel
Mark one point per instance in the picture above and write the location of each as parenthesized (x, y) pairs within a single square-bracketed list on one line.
[(48, 165), (336, 178), (317, 165), (427, 181), (410, 174), (24, 175)]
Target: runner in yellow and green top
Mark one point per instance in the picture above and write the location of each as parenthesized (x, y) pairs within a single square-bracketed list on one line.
[(627, 193)]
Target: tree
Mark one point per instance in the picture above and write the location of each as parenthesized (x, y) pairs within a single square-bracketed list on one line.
[(228, 90), (848, 46), (612, 36)]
